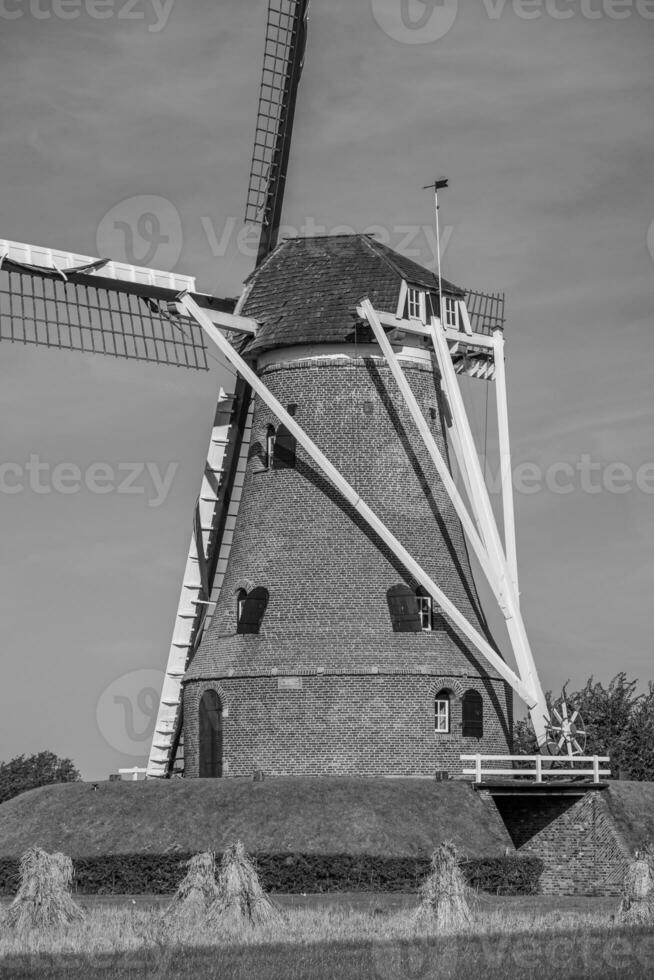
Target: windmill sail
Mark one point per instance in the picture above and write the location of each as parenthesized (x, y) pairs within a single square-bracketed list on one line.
[(51, 298), (286, 35)]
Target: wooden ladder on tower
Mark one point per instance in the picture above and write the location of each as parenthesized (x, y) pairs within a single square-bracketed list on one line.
[(213, 531)]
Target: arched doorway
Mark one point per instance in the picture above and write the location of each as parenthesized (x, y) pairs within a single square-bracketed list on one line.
[(211, 736)]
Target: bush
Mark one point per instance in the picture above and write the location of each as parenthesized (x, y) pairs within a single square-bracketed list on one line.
[(32, 771), (161, 874)]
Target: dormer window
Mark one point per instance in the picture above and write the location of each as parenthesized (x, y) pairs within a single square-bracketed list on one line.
[(414, 304), (451, 312)]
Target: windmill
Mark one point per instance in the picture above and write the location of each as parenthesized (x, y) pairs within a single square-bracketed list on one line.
[(54, 298)]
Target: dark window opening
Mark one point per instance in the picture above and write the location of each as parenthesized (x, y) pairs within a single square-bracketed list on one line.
[(281, 448), (285, 450), (211, 736), (251, 608), (403, 607), (472, 710)]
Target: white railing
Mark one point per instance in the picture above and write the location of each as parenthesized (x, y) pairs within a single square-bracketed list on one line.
[(135, 773), (541, 766)]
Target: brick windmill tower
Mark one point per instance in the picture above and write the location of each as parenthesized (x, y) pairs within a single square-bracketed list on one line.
[(324, 654)]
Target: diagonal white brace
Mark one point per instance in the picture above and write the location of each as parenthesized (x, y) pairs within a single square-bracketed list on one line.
[(484, 512), (355, 501), (496, 584)]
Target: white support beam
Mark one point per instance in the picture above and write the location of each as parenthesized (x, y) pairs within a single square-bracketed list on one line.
[(505, 459), (192, 309), (482, 506), (441, 466), (421, 330), (230, 321)]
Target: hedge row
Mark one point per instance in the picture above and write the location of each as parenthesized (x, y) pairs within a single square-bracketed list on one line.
[(160, 874)]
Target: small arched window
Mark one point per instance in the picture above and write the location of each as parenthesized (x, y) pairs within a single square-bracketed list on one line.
[(403, 608), (270, 447), (251, 608), (442, 712), (425, 610), (241, 596), (472, 715)]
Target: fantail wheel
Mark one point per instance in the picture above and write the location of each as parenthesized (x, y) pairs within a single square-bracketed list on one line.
[(566, 732)]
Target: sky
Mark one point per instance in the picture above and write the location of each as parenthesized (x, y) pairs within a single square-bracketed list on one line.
[(127, 129)]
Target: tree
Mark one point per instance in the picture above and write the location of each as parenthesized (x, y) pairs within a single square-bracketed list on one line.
[(28, 772), (619, 723)]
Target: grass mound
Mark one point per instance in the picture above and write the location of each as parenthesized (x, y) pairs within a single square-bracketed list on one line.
[(43, 900), (302, 815)]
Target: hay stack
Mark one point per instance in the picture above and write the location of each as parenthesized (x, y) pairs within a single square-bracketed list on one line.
[(43, 900), (443, 900), (241, 901), (637, 905), (198, 890)]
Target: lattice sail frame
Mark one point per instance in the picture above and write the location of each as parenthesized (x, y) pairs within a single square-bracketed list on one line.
[(51, 298), (285, 44)]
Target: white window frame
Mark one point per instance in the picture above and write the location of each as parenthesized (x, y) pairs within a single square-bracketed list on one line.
[(414, 304), (426, 612), (442, 716), (451, 312), (271, 438), (240, 605)]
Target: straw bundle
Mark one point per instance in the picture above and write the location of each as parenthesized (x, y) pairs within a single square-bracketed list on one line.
[(637, 905), (43, 900), (443, 900), (241, 901), (198, 890)]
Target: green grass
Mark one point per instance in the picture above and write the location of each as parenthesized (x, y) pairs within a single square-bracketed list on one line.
[(339, 944), (395, 818)]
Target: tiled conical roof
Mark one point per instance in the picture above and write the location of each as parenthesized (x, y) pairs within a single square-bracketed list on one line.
[(307, 291)]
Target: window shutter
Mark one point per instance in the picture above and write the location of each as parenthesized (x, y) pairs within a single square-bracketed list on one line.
[(254, 609), (472, 715), (285, 450), (403, 607)]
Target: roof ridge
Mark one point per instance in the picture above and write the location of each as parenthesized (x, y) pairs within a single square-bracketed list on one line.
[(378, 249)]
